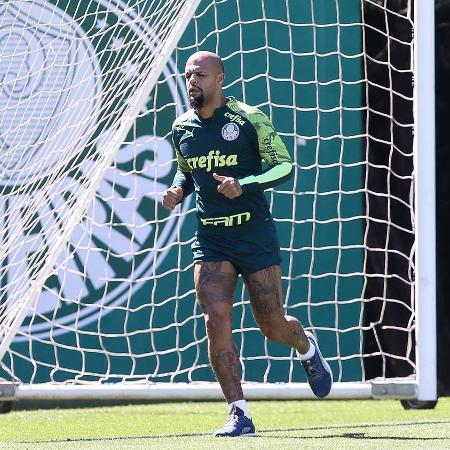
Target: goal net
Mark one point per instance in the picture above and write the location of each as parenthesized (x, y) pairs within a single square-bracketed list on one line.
[(96, 277)]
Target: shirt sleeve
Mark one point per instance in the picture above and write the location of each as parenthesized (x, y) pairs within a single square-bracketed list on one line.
[(182, 163), (183, 177), (272, 151)]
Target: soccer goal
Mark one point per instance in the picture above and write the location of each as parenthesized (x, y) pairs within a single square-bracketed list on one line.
[(96, 295)]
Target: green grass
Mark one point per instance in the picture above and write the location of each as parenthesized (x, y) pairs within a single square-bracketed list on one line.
[(281, 425)]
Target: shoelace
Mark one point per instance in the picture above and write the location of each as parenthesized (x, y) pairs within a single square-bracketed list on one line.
[(232, 419)]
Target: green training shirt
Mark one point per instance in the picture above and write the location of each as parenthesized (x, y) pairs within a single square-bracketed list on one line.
[(233, 142)]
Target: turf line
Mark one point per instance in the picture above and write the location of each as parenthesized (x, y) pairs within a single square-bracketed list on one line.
[(362, 425), (272, 430), (364, 436)]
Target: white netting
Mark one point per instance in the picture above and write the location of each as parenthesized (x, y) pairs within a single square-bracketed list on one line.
[(73, 80), (120, 303)]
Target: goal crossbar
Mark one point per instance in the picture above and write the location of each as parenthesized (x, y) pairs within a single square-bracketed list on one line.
[(398, 389)]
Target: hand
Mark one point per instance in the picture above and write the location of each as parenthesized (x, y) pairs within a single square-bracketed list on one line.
[(172, 197), (228, 186)]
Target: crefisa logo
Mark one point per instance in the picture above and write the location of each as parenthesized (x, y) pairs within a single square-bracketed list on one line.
[(56, 93)]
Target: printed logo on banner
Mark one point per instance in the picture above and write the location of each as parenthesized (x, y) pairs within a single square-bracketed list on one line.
[(55, 95)]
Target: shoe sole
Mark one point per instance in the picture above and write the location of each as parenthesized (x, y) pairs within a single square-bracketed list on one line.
[(239, 435), (311, 336)]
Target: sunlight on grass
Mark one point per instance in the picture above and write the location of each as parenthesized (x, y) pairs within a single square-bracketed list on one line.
[(282, 424)]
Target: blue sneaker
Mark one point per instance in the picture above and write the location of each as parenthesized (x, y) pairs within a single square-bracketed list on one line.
[(318, 372), (237, 425)]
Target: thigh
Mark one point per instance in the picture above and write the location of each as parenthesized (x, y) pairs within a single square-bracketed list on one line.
[(264, 287), (215, 282)]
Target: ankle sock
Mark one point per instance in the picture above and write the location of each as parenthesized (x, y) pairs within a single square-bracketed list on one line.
[(309, 354), (241, 404)]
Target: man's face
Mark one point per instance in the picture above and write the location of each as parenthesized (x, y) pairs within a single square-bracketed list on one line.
[(202, 81)]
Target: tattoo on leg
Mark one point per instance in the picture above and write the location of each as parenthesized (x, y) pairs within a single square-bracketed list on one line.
[(213, 284), (265, 291), (225, 365), (296, 337), (266, 299)]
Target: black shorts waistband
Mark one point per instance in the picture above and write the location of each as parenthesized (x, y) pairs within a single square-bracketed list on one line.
[(232, 224)]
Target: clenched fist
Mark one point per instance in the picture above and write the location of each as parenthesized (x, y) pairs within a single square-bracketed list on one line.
[(172, 197), (228, 186)]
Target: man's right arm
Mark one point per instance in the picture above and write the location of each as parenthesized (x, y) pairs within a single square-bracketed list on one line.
[(172, 197), (184, 181), (182, 184)]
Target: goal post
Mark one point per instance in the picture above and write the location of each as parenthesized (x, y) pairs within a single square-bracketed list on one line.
[(425, 201), (96, 293)]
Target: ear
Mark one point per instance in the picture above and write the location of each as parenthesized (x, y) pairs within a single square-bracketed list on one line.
[(219, 79)]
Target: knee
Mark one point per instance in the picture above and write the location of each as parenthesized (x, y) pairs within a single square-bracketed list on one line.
[(217, 321), (212, 323)]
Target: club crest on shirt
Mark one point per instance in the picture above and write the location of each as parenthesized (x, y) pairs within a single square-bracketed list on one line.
[(230, 131)]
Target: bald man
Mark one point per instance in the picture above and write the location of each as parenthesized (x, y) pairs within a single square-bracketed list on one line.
[(220, 145)]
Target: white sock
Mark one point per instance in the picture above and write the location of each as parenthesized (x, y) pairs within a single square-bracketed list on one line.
[(241, 404), (309, 354)]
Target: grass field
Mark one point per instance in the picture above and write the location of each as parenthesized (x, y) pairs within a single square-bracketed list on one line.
[(280, 425)]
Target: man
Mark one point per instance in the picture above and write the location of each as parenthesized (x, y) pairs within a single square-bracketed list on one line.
[(220, 144)]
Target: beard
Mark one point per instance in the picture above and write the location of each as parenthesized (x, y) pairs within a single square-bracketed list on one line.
[(197, 102)]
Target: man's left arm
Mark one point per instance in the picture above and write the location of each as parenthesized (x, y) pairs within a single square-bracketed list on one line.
[(273, 152)]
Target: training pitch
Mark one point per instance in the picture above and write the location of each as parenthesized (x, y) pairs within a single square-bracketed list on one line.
[(327, 424)]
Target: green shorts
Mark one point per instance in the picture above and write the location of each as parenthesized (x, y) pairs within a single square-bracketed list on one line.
[(249, 251)]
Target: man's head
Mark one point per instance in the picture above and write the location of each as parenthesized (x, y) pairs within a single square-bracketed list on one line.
[(204, 78)]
